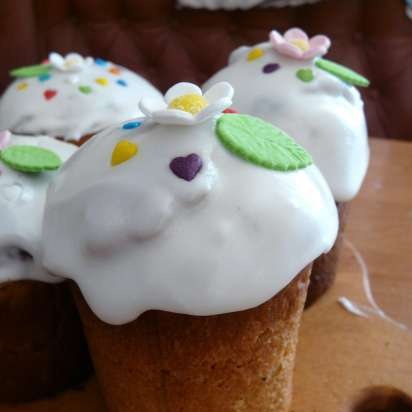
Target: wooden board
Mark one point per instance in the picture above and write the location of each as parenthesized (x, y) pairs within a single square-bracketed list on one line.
[(342, 357), (344, 360)]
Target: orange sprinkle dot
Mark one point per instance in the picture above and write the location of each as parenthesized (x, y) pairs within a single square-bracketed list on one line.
[(114, 70)]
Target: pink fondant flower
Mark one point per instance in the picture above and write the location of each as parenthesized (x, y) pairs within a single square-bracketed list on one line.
[(295, 43)]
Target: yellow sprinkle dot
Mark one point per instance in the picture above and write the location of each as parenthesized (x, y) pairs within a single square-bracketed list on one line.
[(255, 53), (191, 103), (123, 151), (302, 44), (22, 86), (102, 81)]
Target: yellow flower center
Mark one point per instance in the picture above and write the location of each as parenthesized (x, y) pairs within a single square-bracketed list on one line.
[(71, 62), (301, 44), (191, 103)]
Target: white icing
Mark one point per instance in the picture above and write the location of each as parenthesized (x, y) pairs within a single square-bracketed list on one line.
[(325, 116), (22, 198), (136, 237), (352, 307), (72, 114), (373, 309)]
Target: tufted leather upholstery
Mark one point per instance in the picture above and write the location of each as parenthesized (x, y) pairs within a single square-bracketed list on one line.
[(167, 45)]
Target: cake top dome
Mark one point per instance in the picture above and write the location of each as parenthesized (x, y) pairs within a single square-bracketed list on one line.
[(288, 83), (27, 166), (71, 96), (187, 210)]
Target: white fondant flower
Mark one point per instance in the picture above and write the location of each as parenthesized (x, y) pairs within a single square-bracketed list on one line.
[(295, 43), (72, 62), (185, 104)]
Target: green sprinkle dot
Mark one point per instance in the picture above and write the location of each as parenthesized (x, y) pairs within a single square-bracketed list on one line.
[(306, 75), (85, 89), (31, 71), (260, 143), (343, 73), (30, 159)]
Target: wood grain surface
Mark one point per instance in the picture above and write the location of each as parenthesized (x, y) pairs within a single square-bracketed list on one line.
[(346, 363)]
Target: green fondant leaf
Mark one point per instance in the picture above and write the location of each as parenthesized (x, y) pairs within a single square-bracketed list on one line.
[(342, 72), (306, 75), (31, 71), (30, 159), (258, 142)]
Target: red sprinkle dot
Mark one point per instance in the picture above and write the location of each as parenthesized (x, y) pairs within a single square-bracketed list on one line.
[(230, 110), (49, 94)]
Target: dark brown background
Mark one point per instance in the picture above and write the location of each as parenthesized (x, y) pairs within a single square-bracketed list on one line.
[(168, 45)]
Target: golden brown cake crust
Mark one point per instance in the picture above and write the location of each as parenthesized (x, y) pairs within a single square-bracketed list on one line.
[(78, 142), (236, 362), (324, 267), (42, 347)]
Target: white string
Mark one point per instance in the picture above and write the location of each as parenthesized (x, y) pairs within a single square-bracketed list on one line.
[(362, 310)]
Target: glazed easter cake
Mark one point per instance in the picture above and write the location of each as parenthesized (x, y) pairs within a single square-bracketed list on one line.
[(190, 234), (288, 83), (71, 97), (42, 347)]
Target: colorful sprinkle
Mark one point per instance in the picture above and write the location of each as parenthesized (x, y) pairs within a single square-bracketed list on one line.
[(22, 86), (131, 125), (85, 89), (344, 73), (121, 82), (230, 110), (186, 167), (260, 143), (306, 75), (123, 151), (100, 62), (114, 70), (255, 54), (270, 68), (30, 159), (49, 94), (44, 77), (4, 138), (102, 81)]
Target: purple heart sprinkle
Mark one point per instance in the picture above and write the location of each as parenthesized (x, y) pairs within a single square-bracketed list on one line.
[(186, 167), (270, 68)]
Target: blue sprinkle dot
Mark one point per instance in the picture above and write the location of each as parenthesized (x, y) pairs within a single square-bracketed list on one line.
[(121, 82), (44, 77), (131, 125), (100, 62)]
